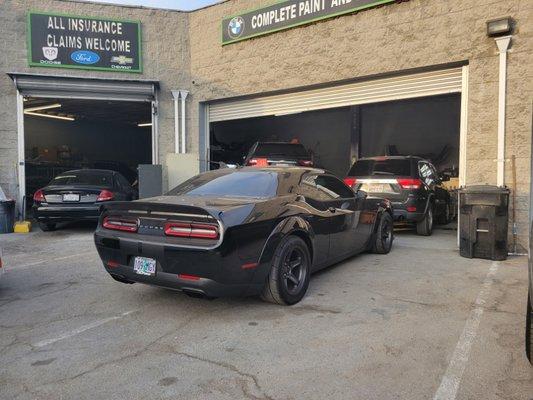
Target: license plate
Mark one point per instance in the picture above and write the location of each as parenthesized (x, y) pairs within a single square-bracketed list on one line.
[(71, 197), (377, 188), (144, 266)]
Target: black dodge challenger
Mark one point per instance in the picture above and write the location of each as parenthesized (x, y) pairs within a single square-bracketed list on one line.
[(240, 232)]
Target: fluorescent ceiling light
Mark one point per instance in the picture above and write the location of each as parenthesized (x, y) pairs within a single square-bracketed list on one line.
[(144, 124), (38, 108), (35, 114)]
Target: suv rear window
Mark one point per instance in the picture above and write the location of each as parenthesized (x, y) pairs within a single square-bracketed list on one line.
[(396, 167), (280, 149)]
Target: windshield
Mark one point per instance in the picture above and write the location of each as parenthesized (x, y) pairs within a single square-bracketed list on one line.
[(253, 184), (280, 149), (396, 167), (83, 178)]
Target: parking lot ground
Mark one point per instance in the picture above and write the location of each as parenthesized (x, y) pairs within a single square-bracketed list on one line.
[(419, 323)]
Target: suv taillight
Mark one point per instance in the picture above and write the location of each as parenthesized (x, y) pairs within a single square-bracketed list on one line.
[(409, 183), (120, 224), (105, 195), (39, 196), (191, 230), (350, 181), (305, 163)]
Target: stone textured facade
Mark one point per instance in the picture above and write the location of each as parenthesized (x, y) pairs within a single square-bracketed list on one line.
[(183, 50), (165, 59), (401, 36)]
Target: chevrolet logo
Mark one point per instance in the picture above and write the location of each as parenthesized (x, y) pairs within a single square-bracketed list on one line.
[(122, 60)]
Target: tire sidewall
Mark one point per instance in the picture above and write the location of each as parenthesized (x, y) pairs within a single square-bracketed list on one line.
[(286, 246), (380, 246)]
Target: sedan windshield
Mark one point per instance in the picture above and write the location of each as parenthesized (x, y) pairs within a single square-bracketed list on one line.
[(253, 184), (83, 178)]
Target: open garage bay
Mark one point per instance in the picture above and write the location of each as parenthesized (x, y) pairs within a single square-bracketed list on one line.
[(419, 323)]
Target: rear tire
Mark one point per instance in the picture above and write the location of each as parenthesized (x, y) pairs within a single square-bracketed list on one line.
[(425, 226), (47, 227), (384, 235), (289, 276), (529, 330)]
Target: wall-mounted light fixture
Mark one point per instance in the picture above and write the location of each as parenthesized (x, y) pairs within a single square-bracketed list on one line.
[(499, 27)]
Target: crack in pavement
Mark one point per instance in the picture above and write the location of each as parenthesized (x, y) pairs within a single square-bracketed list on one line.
[(234, 369)]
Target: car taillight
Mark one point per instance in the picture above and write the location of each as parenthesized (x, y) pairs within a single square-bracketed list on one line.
[(120, 224), (252, 161), (258, 162), (191, 230), (409, 183), (39, 196), (350, 181), (305, 163), (105, 195)]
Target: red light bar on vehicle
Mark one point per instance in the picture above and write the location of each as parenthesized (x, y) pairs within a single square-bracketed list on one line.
[(409, 183), (191, 230), (120, 224), (350, 181)]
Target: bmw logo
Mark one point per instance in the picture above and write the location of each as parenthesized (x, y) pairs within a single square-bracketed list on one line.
[(236, 27)]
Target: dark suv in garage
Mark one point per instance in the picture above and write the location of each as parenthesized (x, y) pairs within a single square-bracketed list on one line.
[(410, 183)]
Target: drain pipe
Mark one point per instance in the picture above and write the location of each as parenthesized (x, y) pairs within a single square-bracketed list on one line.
[(503, 46), (176, 96), (183, 96)]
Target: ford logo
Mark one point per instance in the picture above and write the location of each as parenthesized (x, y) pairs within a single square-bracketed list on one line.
[(85, 57)]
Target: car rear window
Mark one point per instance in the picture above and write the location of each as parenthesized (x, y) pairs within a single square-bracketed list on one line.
[(83, 178), (280, 149), (396, 167), (260, 184)]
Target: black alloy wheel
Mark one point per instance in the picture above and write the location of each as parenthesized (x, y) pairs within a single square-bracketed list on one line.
[(384, 235), (289, 276)]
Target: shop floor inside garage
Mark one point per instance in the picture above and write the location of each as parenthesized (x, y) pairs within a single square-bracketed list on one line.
[(372, 327)]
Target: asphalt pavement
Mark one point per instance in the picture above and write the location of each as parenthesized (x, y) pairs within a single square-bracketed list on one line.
[(419, 323)]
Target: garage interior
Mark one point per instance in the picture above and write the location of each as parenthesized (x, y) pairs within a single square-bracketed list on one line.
[(428, 127), (63, 134)]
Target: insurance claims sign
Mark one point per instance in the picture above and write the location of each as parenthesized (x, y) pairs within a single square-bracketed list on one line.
[(287, 14), (67, 41)]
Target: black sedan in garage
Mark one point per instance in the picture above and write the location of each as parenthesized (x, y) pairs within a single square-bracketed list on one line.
[(239, 232), (78, 195)]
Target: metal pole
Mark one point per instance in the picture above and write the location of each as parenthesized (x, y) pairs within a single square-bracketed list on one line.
[(183, 95), (503, 46), (176, 96)]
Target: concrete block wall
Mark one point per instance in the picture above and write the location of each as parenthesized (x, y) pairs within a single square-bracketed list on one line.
[(166, 59), (395, 37)]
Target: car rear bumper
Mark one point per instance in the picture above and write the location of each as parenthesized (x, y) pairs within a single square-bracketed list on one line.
[(214, 272), (412, 210), (63, 213), (200, 287)]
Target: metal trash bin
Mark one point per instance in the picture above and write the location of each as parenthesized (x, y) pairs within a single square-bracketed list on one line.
[(7, 216), (484, 216)]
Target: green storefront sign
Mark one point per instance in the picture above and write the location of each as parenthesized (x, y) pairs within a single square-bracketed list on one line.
[(70, 41), (288, 14)]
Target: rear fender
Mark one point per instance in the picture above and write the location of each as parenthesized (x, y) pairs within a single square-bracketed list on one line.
[(290, 226)]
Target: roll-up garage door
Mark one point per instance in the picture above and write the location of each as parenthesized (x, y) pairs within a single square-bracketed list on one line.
[(362, 92), (90, 89)]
